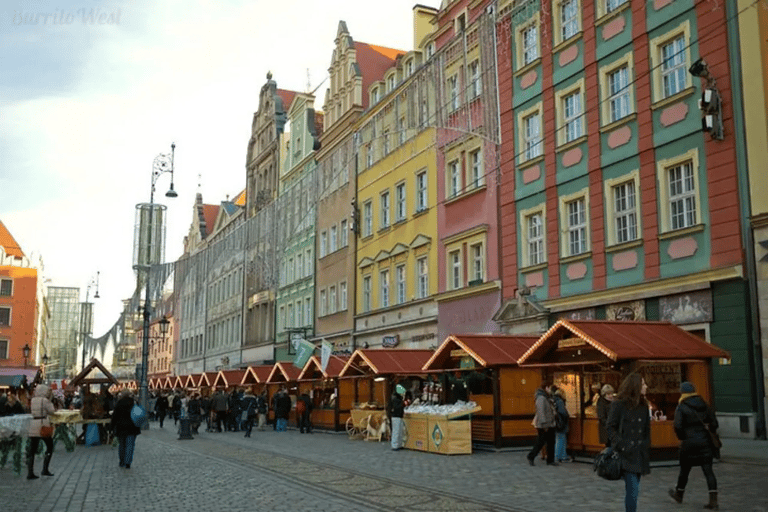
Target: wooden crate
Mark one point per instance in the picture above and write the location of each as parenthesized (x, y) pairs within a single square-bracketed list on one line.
[(416, 432), (449, 434)]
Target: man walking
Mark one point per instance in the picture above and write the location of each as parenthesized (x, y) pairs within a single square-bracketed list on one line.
[(219, 404)]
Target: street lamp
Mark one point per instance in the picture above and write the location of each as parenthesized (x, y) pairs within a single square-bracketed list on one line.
[(25, 350), (86, 317), (162, 164)]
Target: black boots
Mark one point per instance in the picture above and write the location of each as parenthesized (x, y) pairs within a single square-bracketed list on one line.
[(31, 467), (677, 494), (47, 461), (712, 505)]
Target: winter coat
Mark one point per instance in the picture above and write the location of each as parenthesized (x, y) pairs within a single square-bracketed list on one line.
[(162, 405), (545, 410), (561, 411), (603, 407), (306, 402), (40, 408), (629, 430), (695, 447), (249, 404), (121, 418), (193, 406), (396, 406), (283, 406), (261, 404)]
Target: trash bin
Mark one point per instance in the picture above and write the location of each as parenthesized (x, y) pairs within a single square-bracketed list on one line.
[(184, 428)]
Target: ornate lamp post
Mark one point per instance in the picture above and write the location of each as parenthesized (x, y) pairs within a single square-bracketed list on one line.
[(86, 316), (162, 164), (26, 350)]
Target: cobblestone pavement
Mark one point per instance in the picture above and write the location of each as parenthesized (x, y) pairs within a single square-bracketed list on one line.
[(328, 472)]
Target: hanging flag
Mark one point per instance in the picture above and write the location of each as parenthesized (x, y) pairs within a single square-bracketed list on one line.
[(304, 351), (325, 354)]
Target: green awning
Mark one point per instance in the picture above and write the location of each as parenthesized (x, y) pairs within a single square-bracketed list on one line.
[(13, 381)]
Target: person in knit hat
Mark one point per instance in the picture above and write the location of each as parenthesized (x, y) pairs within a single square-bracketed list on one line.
[(692, 419)]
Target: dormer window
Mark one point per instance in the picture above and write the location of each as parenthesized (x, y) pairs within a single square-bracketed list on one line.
[(409, 68), (460, 23), (430, 50), (374, 95), (391, 83)]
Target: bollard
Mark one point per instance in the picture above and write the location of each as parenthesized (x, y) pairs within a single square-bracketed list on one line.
[(184, 429)]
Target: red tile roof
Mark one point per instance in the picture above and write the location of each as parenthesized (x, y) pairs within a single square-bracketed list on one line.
[(210, 212), (374, 61), (387, 361), (313, 368), (496, 350), (284, 371), (625, 341), (257, 374), (287, 97), (9, 243)]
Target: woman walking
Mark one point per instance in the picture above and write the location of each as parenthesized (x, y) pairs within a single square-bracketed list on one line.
[(124, 428), (603, 407), (692, 419), (629, 431), (544, 421), (40, 407)]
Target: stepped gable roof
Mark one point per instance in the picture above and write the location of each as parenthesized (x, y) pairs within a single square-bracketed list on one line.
[(8, 243), (374, 61), (287, 97), (487, 350)]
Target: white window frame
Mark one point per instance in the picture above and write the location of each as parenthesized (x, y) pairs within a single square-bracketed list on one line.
[(530, 134), (453, 174), (10, 292), (368, 218), (323, 243), (475, 82), (366, 292), (332, 300), (401, 135), (625, 213), (291, 269), (401, 210), (422, 277), (308, 262), (528, 42), (624, 96), (343, 296), (455, 269), (4, 354), (570, 120), (299, 314), (656, 45), (567, 23), (422, 196), (663, 168), (477, 263), (571, 227), (533, 238), (333, 240), (385, 210), (291, 321), (400, 283), (384, 298), (344, 233), (453, 92), (476, 176), (308, 309)]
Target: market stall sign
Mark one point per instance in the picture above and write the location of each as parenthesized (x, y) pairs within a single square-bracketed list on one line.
[(570, 342), (458, 354), (390, 341)]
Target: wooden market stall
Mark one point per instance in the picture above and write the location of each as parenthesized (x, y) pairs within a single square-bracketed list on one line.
[(191, 382), (322, 386), (178, 382), (283, 374), (255, 378), (206, 382), (167, 383), (228, 379), (483, 369), (581, 356), (152, 383)]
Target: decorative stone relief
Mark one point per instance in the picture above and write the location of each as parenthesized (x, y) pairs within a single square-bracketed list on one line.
[(568, 55), (619, 137), (613, 28), (534, 279), (572, 157), (624, 260), (674, 114), (531, 174), (682, 248), (528, 79), (576, 271)]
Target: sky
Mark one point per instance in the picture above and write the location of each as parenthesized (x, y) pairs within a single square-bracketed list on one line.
[(92, 91)]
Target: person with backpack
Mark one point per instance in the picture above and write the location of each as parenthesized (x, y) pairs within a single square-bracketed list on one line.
[(544, 421), (561, 426), (694, 420), (248, 405)]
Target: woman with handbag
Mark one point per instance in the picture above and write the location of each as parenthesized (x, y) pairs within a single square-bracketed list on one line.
[(40, 428), (629, 431), (124, 428), (695, 426)]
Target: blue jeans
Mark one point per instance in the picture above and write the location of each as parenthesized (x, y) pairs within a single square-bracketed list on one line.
[(561, 442), (125, 449), (282, 424), (632, 490)]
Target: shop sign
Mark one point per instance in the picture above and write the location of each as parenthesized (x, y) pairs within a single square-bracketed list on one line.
[(423, 337), (687, 308), (579, 314), (570, 342), (662, 378), (627, 311), (390, 341)]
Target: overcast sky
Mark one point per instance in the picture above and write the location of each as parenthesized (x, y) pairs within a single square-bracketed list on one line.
[(91, 91)]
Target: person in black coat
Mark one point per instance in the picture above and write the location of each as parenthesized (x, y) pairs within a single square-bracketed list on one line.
[(283, 409), (124, 428), (629, 431), (161, 408), (304, 411), (603, 408), (696, 447)]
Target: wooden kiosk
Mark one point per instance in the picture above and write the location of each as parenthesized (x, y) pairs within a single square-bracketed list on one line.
[(485, 368), (283, 374), (255, 377), (581, 356), (228, 379), (322, 386)]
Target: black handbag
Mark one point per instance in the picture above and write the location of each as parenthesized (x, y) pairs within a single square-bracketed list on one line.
[(608, 464)]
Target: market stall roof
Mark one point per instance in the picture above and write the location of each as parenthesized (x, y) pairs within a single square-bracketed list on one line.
[(314, 368), (178, 382), (82, 378), (257, 374), (191, 380), (486, 350), (284, 371), (386, 361), (227, 378), (11, 376), (167, 382), (152, 383), (618, 340), (207, 378)]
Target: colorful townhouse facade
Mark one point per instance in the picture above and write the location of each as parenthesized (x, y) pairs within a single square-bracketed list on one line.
[(397, 243), (614, 203), (296, 199)]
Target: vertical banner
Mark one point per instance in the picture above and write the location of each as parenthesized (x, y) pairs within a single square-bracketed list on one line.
[(325, 354), (304, 350)]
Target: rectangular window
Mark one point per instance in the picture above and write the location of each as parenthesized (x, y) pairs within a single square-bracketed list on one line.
[(572, 112), (532, 136), (618, 91), (6, 287), (323, 302), (422, 276), (367, 218), (625, 212), (308, 310), (530, 37), (291, 320), (454, 178), (421, 191), (477, 177), (332, 300), (535, 226), (308, 261), (682, 196), (369, 155), (299, 314), (3, 349), (384, 288), (612, 5), (281, 321), (569, 19), (577, 227), (299, 267), (400, 278), (333, 240), (455, 277), (386, 142), (323, 243), (385, 209), (673, 66), (400, 209), (401, 130), (475, 85), (478, 263), (366, 294), (343, 296), (344, 234), (453, 92)]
